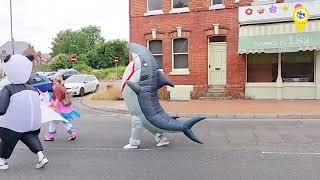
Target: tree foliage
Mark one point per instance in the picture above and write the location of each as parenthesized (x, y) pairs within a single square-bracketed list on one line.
[(90, 46), (61, 61)]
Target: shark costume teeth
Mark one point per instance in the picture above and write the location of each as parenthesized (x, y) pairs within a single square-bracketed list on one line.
[(20, 110), (141, 81)]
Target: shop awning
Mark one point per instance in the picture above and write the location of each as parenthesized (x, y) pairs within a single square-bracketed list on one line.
[(279, 37)]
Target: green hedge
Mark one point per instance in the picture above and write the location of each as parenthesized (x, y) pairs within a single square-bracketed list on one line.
[(101, 74), (108, 74)]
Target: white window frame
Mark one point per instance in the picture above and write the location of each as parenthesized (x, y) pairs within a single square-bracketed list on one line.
[(179, 10), (157, 54), (184, 71), (153, 12), (217, 6)]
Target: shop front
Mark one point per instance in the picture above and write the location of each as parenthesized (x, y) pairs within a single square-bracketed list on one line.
[(281, 62)]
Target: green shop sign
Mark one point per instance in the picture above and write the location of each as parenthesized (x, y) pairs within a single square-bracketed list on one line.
[(291, 42)]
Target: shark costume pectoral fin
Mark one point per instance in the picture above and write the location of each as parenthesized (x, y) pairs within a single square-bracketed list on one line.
[(134, 86), (163, 80)]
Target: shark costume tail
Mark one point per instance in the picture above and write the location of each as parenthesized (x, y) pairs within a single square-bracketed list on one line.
[(187, 128)]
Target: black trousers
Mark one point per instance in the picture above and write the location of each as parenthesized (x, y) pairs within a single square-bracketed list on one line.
[(9, 139)]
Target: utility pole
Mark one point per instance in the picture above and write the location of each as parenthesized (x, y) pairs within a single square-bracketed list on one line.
[(12, 41)]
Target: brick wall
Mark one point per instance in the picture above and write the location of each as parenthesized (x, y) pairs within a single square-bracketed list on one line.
[(197, 27)]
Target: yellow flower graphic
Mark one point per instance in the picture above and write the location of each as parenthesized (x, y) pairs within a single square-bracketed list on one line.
[(285, 8)]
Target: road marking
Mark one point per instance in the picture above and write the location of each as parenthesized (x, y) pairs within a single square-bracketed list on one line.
[(292, 153), (89, 148)]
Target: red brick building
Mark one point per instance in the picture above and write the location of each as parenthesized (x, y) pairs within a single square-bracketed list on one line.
[(196, 44)]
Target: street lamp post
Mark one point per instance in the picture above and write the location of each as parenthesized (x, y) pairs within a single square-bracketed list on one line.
[(12, 41)]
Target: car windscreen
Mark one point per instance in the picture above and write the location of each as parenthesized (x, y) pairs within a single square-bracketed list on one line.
[(75, 79)]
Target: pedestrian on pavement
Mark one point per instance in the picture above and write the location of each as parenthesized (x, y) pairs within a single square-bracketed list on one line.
[(62, 104)]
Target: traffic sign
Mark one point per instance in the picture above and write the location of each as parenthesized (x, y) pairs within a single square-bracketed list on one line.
[(73, 59), (116, 60)]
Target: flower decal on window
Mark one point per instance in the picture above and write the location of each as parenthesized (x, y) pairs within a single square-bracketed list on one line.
[(273, 9), (260, 10), (249, 11), (285, 8)]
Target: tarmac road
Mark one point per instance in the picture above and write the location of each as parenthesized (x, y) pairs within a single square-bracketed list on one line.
[(233, 149)]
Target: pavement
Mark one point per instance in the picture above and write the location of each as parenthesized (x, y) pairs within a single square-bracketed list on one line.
[(226, 109), (232, 150)]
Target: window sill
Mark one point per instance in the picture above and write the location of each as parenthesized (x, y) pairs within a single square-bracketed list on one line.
[(179, 10), (263, 2), (217, 6), (153, 13), (179, 72)]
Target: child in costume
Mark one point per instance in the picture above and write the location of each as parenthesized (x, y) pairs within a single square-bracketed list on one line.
[(67, 112), (20, 113)]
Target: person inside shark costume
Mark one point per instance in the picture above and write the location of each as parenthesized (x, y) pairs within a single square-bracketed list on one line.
[(20, 112), (140, 84)]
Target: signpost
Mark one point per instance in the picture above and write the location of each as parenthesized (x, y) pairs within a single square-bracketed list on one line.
[(73, 60), (116, 61)]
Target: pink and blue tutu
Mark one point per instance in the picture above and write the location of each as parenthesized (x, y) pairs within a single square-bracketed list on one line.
[(71, 115), (66, 112)]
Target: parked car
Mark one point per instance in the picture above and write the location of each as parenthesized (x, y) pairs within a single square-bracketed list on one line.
[(81, 84), (4, 81), (66, 73), (49, 75), (40, 82), (37, 81)]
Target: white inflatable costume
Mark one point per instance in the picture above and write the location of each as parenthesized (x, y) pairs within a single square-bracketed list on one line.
[(20, 108)]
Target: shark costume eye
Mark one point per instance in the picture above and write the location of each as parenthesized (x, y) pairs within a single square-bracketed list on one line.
[(145, 64)]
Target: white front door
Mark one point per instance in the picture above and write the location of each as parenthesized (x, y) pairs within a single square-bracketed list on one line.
[(217, 65)]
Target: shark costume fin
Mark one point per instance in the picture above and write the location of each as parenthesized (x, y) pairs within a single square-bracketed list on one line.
[(187, 128), (163, 80), (134, 86)]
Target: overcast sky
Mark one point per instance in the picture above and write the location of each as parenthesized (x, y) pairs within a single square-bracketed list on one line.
[(38, 21)]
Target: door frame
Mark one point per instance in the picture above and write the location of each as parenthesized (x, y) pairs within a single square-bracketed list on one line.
[(208, 61)]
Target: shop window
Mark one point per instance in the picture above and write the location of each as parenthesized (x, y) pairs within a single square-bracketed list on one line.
[(180, 53), (262, 68), (155, 47), (179, 4), (298, 66), (154, 5)]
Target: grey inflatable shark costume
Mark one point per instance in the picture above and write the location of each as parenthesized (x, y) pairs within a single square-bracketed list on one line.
[(20, 111), (140, 85)]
